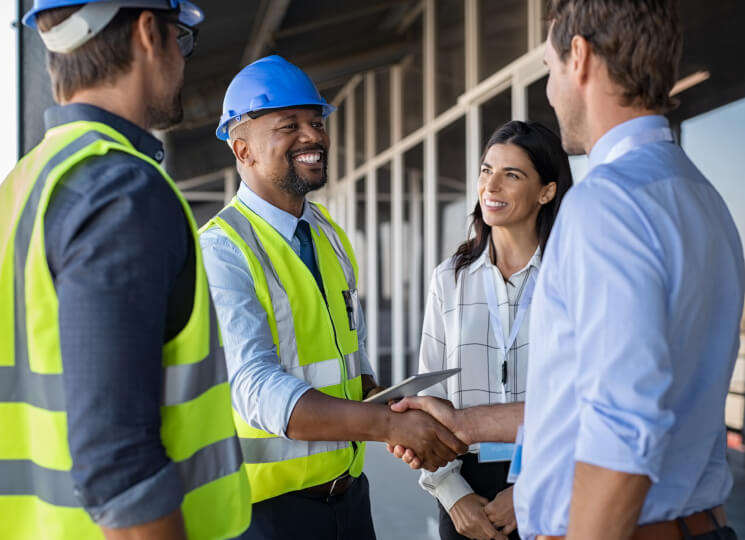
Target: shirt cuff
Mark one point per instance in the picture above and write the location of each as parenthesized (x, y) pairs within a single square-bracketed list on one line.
[(446, 486), (297, 393), (365, 367), (452, 489), (153, 498), (615, 442)]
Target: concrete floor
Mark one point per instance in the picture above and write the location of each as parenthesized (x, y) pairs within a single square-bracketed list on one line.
[(403, 511)]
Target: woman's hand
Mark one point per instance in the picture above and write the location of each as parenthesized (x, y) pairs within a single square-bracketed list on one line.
[(470, 519), (501, 512)]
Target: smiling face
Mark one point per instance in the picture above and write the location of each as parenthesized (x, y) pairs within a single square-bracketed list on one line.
[(510, 189), (285, 150)]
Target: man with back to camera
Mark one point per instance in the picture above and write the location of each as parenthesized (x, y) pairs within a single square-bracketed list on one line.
[(639, 300), (284, 279), (113, 391)]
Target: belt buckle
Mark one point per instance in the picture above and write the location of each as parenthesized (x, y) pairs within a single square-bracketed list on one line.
[(333, 484)]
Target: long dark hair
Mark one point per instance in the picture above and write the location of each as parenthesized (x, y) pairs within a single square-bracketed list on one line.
[(544, 149)]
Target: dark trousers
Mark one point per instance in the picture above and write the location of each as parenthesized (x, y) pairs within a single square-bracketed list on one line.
[(486, 479), (314, 517)]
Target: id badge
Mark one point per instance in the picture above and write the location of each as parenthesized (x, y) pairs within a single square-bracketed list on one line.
[(494, 451), (517, 458), (351, 301)]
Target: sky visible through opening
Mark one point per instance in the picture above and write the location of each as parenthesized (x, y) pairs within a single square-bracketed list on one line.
[(8, 90)]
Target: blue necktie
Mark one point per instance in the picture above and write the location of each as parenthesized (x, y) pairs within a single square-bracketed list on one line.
[(302, 233)]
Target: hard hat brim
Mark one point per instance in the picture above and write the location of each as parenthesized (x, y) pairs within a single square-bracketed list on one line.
[(189, 13), (222, 129)]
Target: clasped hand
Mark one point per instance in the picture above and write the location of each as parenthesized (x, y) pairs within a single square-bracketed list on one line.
[(443, 412)]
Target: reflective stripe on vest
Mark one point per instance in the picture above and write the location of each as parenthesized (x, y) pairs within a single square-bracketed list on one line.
[(277, 465), (35, 483)]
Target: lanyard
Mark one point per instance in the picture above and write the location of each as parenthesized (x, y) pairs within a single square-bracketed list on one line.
[(638, 139), (496, 323)]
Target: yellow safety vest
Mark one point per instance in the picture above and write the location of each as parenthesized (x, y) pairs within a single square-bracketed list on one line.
[(36, 488), (316, 341)]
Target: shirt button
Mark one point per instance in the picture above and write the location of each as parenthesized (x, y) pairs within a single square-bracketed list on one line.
[(159, 155)]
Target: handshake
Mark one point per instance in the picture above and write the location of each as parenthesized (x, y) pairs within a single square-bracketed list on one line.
[(427, 432), (443, 432)]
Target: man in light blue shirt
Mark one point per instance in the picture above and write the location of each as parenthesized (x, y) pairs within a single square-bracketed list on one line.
[(638, 303), (637, 308), (252, 355)]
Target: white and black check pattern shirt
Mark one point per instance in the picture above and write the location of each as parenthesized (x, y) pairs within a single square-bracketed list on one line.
[(457, 332)]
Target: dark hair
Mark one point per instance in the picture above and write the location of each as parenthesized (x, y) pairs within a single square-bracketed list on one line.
[(544, 150), (100, 60), (640, 41)]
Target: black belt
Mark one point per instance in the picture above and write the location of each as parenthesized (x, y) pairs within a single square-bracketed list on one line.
[(334, 487)]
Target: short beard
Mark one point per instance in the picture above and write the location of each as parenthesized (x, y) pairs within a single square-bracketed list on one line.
[(165, 115), (294, 184), (571, 129)]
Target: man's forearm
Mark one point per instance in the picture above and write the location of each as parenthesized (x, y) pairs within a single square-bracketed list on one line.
[(605, 503), (170, 527), (318, 417), (489, 423)]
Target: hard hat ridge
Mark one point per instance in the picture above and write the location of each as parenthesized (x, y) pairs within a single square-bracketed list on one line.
[(268, 83)]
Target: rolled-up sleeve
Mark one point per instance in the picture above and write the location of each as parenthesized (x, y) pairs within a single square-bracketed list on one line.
[(262, 392), (617, 280), (117, 242)]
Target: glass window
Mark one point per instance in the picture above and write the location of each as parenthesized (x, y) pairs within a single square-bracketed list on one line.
[(416, 284), (450, 55), (383, 110), (503, 34), (539, 110), (385, 267), (359, 124), (358, 237), (341, 159), (451, 187), (494, 113)]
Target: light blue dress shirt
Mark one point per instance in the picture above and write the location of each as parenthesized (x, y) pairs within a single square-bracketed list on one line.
[(262, 392), (635, 325)]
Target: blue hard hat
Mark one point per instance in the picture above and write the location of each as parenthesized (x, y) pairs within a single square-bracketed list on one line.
[(188, 13), (268, 83)]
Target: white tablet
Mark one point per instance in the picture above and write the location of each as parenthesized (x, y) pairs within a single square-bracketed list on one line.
[(412, 385)]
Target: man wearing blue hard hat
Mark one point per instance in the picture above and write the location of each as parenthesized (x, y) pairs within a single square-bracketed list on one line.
[(113, 391), (284, 280)]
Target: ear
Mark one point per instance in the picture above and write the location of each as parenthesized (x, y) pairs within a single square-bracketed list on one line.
[(580, 56), (145, 35), (548, 192), (241, 151)]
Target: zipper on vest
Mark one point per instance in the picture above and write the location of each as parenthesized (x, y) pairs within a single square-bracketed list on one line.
[(345, 375), (333, 327)]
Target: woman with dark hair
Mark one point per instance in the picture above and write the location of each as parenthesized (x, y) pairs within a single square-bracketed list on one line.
[(477, 316)]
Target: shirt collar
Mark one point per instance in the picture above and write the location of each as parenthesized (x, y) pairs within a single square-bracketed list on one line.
[(535, 261), (283, 222), (631, 127), (142, 140)]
